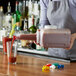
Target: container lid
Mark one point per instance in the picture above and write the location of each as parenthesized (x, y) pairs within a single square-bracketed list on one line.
[(50, 27)]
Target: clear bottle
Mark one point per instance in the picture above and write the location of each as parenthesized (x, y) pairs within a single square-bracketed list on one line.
[(30, 7), (1, 18), (25, 28), (8, 18), (9, 9), (23, 12)]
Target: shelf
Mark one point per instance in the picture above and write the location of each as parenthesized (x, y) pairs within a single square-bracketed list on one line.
[(33, 51), (43, 54), (30, 51)]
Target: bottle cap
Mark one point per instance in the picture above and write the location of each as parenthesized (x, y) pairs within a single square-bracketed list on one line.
[(17, 2), (1, 8)]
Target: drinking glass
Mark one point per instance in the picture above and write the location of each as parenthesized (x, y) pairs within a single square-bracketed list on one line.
[(11, 52), (5, 40)]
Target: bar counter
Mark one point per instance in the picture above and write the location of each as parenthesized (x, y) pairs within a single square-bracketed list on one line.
[(28, 65)]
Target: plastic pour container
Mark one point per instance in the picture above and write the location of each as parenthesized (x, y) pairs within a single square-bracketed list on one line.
[(50, 38), (54, 38)]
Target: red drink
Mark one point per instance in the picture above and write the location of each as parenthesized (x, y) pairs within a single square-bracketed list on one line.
[(12, 51), (5, 40), (27, 37), (12, 59)]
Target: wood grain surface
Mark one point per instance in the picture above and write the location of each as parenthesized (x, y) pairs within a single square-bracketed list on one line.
[(32, 66)]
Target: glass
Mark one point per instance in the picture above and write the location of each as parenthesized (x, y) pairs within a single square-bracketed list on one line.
[(11, 52), (5, 40)]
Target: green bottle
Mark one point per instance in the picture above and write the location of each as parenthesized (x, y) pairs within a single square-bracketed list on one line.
[(16, 20), (33, 28), (17, 16)]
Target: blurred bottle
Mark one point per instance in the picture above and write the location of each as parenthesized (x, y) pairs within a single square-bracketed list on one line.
[(9, 9), (16, 20), (25, 28), (37, 13), (26, 9), (20, 6), (3, 31), (8, 18), (30, 12), (1, 18), (30, 7), (23, 12), (17, 15), (33, 28), (36, 9)]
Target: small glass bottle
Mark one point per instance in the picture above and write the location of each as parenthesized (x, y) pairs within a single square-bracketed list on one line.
[(1, 18), (8, 18)]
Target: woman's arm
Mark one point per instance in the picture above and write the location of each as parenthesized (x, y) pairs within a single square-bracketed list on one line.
[(43, 18)]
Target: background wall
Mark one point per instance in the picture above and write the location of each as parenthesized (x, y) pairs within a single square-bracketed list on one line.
[(4, 3)]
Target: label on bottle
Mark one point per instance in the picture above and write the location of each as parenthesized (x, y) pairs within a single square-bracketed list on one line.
[(3, 33), (8, 20), (38, 36), (29, 22)]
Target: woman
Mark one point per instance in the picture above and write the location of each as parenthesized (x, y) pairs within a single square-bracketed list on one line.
[(62, 14)]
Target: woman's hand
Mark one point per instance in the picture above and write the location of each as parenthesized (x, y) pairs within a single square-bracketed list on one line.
[(73, 37)]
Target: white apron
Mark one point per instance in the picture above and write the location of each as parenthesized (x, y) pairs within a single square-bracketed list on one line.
[(58, 14)]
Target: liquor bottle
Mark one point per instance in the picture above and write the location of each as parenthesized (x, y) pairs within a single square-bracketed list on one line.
[(20, 7), (33, 28), (16, 20), (17, 14), (26, 9), (1, 18), (25, 28), (23, 11), (9, 9), (8, 18), (30, 7)]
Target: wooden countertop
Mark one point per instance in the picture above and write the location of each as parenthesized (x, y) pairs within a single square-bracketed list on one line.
[(32, 66)]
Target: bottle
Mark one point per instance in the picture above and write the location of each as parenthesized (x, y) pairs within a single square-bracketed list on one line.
[(33, 28), (30, 12), (36, 8), (20, 7), (23, 12), (30, 7), (17, 14), (25, 28), (26, 9), (1, 18), (9, 9), (8, 18), (38, 47), (16, 20)]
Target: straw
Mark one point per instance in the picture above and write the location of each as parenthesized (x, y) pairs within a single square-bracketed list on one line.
[(14, 38)]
